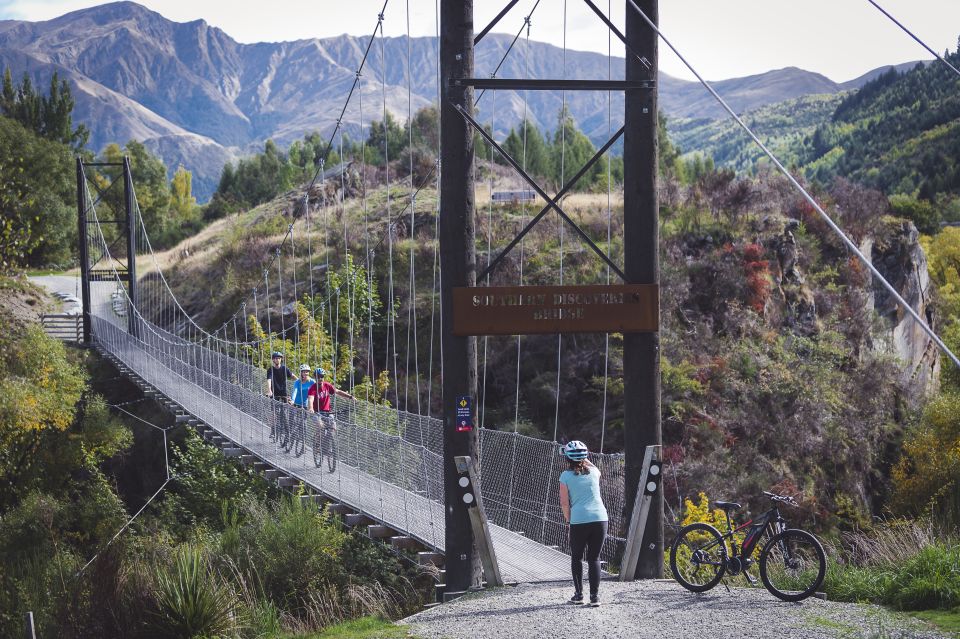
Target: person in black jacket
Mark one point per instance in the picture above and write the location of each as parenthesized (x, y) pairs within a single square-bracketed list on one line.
[(277, 376)]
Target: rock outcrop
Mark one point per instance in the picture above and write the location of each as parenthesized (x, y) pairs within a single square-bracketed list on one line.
[(896, 253)]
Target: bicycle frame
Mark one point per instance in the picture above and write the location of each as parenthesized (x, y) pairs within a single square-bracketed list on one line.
[(738, 560)]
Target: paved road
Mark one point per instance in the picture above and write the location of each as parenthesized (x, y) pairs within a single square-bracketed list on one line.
[(68, 284), (657, 610)]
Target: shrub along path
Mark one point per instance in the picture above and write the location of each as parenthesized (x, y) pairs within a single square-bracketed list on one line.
[(655, 610)]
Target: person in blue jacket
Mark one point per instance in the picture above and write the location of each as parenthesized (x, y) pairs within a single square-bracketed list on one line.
[(583, 509)]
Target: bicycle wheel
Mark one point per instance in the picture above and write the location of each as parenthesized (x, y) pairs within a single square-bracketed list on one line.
[(792, 565), (318, 446), (698, 557), (299, 437), (330, 450), (283, 432)]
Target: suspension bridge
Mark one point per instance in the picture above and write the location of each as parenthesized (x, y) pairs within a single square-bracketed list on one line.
[(393, 466)]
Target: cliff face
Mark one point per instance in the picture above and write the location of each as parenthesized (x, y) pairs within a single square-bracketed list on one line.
[(897, 254), (894, 250)]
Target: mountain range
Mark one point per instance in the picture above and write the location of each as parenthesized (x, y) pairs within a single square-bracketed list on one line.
[(198, 98)]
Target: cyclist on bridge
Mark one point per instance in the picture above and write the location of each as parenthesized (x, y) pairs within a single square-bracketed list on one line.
[(583, 509), (302, 389), (321, 393), (277, 376)]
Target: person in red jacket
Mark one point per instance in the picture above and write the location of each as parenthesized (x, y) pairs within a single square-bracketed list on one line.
[(322, 392), (321, 395)]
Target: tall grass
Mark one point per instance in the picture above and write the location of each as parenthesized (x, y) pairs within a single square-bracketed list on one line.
[(900, 564)]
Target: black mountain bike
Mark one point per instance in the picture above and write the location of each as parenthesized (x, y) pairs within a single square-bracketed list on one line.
[(296, 433), (792, 561), (325, 443)]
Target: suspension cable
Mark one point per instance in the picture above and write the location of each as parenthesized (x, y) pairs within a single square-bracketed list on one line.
[(912, 35), (809, 198)]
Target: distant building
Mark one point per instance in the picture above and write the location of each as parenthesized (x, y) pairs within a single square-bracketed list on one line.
[(514, 196)]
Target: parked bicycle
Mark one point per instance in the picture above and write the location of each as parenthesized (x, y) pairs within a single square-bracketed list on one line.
[(792, 562), (325, 442)]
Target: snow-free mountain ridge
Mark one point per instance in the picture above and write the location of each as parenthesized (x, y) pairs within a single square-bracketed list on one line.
[(199, 98)]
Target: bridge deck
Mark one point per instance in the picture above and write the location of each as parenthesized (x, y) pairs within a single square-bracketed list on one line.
[(520, 559)]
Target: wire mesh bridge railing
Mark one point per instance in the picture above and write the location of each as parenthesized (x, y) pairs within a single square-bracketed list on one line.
[(389, 461)]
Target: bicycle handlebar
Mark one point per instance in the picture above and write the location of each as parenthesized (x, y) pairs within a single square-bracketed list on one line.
[(783, 499)]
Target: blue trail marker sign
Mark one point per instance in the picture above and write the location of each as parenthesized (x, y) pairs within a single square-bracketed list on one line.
[(464, 413)]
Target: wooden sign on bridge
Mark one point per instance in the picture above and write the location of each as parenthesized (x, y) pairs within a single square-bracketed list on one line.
[(530, 310)]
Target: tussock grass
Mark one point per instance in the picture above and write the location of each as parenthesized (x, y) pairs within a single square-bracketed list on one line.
[(899, 564)]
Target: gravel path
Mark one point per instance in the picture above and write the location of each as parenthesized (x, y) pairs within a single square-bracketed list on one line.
[(658, 609)]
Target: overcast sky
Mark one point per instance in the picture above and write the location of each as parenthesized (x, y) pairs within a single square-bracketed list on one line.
[(722, 39)]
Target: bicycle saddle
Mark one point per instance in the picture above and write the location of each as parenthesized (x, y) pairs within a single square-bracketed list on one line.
[(727, 505)]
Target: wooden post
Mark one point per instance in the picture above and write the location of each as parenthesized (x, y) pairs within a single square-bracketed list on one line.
[(641, 351), (478, 519), (457, 268), (638, 519)]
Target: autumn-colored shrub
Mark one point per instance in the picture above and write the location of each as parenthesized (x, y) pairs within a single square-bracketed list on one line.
[(757, 270)]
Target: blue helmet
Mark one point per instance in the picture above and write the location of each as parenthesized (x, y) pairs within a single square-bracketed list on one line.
[(320, 372), (276, 354), (575, 450)]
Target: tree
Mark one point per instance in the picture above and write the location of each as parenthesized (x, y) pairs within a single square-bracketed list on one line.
[(182, 202), (48, 116), (921, 212), (150, 182), (37, 199), (571, 152), (390, 139), (426, 128), (527, 146)]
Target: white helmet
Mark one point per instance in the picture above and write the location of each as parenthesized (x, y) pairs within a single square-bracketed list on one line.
[(575, 450), (304, 367)]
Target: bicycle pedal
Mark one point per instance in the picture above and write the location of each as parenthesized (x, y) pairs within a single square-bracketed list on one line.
[(752, 580)]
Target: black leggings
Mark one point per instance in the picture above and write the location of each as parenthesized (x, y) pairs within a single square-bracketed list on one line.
[(587, 537)]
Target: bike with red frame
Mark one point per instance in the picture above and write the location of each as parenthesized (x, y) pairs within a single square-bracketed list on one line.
[(792, 563)]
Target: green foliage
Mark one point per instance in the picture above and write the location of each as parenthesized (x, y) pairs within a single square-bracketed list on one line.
[(927, 476), (192, 600), (364, 628), (39, 390), (943, 264), (898, 565), (37, 199), (527, 146), (206, 483), (386, 141), (922, 213), (48, 116), (898, 133), (294, 549), (781, 127)]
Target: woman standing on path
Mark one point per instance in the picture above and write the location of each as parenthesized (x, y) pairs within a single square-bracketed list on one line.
[(583, 509)]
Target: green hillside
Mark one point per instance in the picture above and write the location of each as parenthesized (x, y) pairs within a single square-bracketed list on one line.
[(782, 127), (900, 133)]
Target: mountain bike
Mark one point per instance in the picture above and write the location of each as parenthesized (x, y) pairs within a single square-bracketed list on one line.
[(296, 440), (325, 442), (792, 562)]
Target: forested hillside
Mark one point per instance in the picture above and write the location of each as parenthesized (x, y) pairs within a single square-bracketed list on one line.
[(782, 127), (899, 133)]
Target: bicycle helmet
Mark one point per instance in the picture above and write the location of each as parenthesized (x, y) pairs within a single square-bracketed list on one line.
[(277, 354), (304, 367), (575, 450), (320, 372)]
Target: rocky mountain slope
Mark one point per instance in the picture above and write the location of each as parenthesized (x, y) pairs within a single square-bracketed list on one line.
[(198, 98)]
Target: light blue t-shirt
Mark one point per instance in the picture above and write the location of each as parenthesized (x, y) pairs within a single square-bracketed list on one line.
[(585, 503), (301, 391)]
